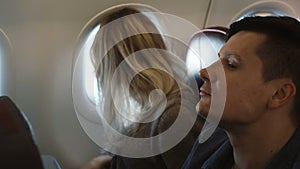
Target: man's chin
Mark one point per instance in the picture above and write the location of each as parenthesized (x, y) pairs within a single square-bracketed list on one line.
[(202, 113)]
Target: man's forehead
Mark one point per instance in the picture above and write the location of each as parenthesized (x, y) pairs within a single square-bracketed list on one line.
[(248, 36), (243, 42)]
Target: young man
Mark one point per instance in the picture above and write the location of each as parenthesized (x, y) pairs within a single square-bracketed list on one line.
[(261, 61)]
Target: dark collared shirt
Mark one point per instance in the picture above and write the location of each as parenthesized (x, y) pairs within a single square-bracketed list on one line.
[(217, 153)]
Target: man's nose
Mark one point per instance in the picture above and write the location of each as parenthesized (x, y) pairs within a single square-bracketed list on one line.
[(204, 75)]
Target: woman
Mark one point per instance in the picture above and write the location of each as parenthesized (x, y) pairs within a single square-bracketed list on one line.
[(137, 78)]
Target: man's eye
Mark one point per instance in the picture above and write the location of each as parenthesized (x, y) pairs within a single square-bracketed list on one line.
[(231, 65)]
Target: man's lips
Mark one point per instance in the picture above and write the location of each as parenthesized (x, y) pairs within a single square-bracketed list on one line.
[(204, 92)]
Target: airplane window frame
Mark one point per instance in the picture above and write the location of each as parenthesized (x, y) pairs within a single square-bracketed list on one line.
[(265, 8), (209, 38), (205, 38)]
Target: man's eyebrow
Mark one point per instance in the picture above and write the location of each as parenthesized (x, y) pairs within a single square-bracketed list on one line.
[(230, 54)]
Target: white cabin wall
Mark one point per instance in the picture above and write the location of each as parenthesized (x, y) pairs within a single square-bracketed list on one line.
[(43, 35), (222, 11)]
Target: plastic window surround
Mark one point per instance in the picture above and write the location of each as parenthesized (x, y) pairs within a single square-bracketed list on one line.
[(203, 49), (265, 8)]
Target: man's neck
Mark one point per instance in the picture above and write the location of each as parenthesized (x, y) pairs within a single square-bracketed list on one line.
[(255, 145)]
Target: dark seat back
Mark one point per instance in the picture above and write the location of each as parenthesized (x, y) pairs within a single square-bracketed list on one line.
[(17, 147)]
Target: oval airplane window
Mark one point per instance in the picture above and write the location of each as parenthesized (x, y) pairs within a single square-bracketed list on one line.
[(7, 69), (203, 50), (265, 8), (84, 83)]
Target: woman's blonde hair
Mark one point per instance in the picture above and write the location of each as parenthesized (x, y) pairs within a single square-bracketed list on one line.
[(130, 56)]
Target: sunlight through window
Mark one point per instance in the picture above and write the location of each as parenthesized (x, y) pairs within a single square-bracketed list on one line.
[(90, 77)]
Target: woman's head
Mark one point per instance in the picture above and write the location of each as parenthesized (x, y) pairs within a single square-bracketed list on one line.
[(122, 33), (129, 48)]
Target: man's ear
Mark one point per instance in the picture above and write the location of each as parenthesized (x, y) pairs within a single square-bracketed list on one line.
[(285, 90)]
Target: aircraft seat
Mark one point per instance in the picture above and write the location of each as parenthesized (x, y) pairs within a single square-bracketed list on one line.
[(17, 141)]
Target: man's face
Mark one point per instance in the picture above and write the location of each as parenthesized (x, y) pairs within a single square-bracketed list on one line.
[(247, 93)]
